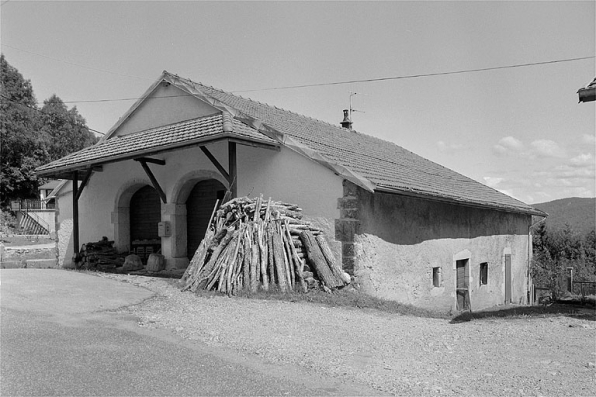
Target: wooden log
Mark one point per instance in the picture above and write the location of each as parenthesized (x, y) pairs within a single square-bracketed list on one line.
[(246, 265), (255, 266), (316, 258), (278, 257), (235, 261), (219, 268), (262, 255), (328, 254), (288, 266), (270, 259), (210, 269), (299, 264)]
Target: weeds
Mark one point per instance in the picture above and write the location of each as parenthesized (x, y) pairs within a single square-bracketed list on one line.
[(344, 298)]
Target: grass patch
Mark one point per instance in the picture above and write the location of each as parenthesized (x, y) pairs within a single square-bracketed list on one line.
[(344, 298), (16, 240)]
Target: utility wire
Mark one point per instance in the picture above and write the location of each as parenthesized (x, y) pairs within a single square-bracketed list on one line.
[(51, 115), (420, 75), (361, 81)]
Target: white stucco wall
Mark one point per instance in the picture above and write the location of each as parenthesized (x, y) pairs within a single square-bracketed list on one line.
[(165, 105), (282, 175)]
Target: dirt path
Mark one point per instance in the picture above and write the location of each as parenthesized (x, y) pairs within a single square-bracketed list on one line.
[(397, 355)]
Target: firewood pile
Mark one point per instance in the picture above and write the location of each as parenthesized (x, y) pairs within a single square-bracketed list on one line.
[(100, 255), (252, 245)]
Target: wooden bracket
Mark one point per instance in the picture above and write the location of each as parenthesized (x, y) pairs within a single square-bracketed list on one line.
[(152, 178), (216, 163), (150, 160), (84, 183)]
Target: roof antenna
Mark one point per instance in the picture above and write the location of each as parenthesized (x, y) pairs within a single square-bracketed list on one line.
[(351, 108)]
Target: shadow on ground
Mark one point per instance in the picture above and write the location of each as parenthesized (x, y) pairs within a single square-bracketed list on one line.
[(573, 309)]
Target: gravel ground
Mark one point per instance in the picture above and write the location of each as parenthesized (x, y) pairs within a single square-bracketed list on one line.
[(399, 355)]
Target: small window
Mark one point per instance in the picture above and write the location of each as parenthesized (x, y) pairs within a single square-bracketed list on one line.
[(436, 277), (483, 273)]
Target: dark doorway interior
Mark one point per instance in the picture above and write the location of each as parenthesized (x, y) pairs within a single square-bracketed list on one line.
[(462, 286), (199, 207), (145, 214)]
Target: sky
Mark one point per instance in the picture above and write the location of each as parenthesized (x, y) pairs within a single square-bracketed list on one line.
[(519, 130)]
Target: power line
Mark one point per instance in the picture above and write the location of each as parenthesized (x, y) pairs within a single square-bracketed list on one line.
[(420, 75), (76, 64), (50, 114), (360, 81)]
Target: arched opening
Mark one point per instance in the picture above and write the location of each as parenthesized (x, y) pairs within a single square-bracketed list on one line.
[(199, 206), (145, 214)]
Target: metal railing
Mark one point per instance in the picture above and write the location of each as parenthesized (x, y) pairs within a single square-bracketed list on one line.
[(37, 219), (584, 288), (28, 205)]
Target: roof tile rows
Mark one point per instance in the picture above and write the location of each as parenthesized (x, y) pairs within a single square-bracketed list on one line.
[(177, 134), (386, 164)]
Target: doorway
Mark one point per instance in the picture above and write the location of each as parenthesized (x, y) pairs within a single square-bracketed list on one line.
[(462, 284), (145, 214), (199, 206), (507, 278)]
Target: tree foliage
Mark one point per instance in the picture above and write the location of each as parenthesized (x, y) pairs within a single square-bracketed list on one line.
[(30, 136), (556, 250)]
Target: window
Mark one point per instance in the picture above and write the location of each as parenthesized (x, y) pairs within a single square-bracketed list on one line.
[(483, 273), (436, 277)]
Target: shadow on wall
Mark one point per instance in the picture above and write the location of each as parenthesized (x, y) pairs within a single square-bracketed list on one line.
[(408, 220)]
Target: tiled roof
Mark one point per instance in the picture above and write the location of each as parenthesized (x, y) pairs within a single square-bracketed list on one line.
[(156, 139), (388, 166), (380, 165)]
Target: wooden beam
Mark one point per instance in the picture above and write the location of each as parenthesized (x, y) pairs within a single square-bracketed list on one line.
[(150, 160), (84, 183), (216, 163), (75, 214), (153, 181), (233, 170)]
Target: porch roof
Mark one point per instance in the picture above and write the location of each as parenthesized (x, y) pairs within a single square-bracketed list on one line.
[(155, 140)]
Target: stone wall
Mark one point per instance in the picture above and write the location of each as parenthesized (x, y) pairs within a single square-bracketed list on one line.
[(392, 243)]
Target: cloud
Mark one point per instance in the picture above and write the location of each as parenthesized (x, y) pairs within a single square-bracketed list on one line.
[(582, 160), (449, 147), (589, 139), (492, 181), (545, 148), (508, 145)]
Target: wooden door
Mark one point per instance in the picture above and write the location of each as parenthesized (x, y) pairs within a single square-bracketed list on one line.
[(462, 283), (507, 278), (199, 207)]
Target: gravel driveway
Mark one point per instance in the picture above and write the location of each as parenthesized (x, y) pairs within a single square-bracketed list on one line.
[(397, 355)]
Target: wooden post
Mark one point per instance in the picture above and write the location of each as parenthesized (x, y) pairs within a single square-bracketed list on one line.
[(232, 169), (75, 212)]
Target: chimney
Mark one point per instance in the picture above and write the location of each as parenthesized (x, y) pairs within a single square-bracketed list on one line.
[(346, 123)]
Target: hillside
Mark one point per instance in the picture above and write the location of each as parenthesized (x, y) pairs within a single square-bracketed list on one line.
[(579, 213)]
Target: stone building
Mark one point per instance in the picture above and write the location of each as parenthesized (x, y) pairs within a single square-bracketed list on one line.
[(408, 229)]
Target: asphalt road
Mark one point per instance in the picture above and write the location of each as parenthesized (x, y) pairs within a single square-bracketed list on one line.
[(58, 337)]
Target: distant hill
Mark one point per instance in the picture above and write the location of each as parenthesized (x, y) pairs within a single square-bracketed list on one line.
[(579, 213)]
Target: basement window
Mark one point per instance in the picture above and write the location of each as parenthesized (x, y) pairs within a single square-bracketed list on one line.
[(436, 277), (483, 273)]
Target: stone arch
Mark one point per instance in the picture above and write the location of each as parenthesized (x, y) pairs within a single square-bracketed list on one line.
[(121, 214), (175, 213), (185, 184)]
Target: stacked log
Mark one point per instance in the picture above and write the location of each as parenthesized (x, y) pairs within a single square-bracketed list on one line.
[(253, 245), (100, 255)]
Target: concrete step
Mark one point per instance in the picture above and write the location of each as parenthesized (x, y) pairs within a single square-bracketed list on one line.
[(30, 264)]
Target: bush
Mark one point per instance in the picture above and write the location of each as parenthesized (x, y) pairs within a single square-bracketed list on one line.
[(8, 222)]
